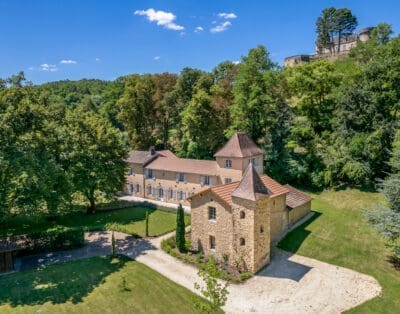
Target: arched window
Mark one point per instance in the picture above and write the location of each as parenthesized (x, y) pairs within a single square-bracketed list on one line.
[(261, 229), (242, 214), (242, 241)]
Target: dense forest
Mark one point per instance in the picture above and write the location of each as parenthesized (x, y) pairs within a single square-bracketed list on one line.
[(321, 124)]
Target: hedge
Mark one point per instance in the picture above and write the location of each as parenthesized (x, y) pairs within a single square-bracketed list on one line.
[(60, 238)]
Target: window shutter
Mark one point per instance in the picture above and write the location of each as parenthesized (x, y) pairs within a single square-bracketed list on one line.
[(184, 178), (177, 177), (145, 173), (173, 194), (201, 180), (184, 196), (210, 181)]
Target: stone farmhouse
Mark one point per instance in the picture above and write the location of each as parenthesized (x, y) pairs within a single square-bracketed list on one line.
[(162, 176), (237, 212)]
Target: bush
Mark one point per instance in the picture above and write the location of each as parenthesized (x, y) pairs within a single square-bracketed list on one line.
[(56, 239)]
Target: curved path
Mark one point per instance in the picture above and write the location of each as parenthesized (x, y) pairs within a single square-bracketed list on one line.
[(291, 283)]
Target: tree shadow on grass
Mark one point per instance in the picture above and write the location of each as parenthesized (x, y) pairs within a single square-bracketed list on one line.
[(294, 239), (72, 280), (58, 283)]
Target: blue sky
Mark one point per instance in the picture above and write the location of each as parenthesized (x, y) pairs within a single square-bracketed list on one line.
[(52, 39)]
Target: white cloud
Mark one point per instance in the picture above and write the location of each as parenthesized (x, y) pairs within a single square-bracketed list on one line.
[(236, 62), (68, 61), (198, 29), (97, 59), (48, 67), (162, 18), (221, 27), (227, 15), (156, 58)]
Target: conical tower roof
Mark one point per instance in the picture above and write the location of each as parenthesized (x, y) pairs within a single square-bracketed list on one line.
[(251, 187)]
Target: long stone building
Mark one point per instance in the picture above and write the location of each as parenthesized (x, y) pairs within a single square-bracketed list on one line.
[(162, 176), (236, 210)]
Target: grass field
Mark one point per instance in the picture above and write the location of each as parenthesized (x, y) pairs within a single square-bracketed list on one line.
[(94, 285), (339, 234), (128, 220)]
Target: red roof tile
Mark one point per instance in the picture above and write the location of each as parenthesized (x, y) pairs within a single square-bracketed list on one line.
[(295, 197)]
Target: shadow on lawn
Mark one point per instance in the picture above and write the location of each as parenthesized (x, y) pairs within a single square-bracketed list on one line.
[(293, 240), (71, 281)]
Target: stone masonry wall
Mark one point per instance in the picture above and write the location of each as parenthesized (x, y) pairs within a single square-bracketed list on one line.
[(299, 212), (279, 217), (202, 228)]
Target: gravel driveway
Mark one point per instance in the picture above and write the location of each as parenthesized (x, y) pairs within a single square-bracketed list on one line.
[(289, 284)]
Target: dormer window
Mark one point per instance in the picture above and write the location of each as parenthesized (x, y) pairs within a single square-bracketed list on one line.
[(228, 163)]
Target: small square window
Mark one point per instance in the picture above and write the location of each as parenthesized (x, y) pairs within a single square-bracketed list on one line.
[(228, 163), (212, 242), (212, 213), (228, 180)]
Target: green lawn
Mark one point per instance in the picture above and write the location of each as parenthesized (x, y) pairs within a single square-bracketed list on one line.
[(339, 234), (129, 220), (93, 285)]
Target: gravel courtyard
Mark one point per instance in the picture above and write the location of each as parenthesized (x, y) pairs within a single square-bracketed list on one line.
[(289, 284)]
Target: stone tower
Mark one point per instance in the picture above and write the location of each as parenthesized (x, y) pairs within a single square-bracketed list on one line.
[(234, 157), (251, 221)]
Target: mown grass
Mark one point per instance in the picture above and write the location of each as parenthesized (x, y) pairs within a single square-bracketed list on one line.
[(93, 285), (128, 220), (339, 234)]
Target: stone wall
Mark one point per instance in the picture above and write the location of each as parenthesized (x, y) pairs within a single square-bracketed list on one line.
[(243, 212), (167, 180), (299, 212), (279, 217), (202, 228), (262, 230)]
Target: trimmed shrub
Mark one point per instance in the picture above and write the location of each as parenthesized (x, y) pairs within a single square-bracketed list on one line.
[(56, 239)]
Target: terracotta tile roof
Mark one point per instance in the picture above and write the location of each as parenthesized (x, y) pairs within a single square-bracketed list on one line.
[(240, 145), (225, 191), (251, 187), (144, 157), (167, 153), (273, 186), (295, 197), (204, 167)]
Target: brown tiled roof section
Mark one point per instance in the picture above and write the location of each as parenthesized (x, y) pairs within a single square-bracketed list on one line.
[(167, 153), (274, 187), (251, 187), (295, 197), (203, 167), (240, 145), (143, 156), (225, 191)]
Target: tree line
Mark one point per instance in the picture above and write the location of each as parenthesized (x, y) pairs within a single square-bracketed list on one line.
[(321, 124)]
